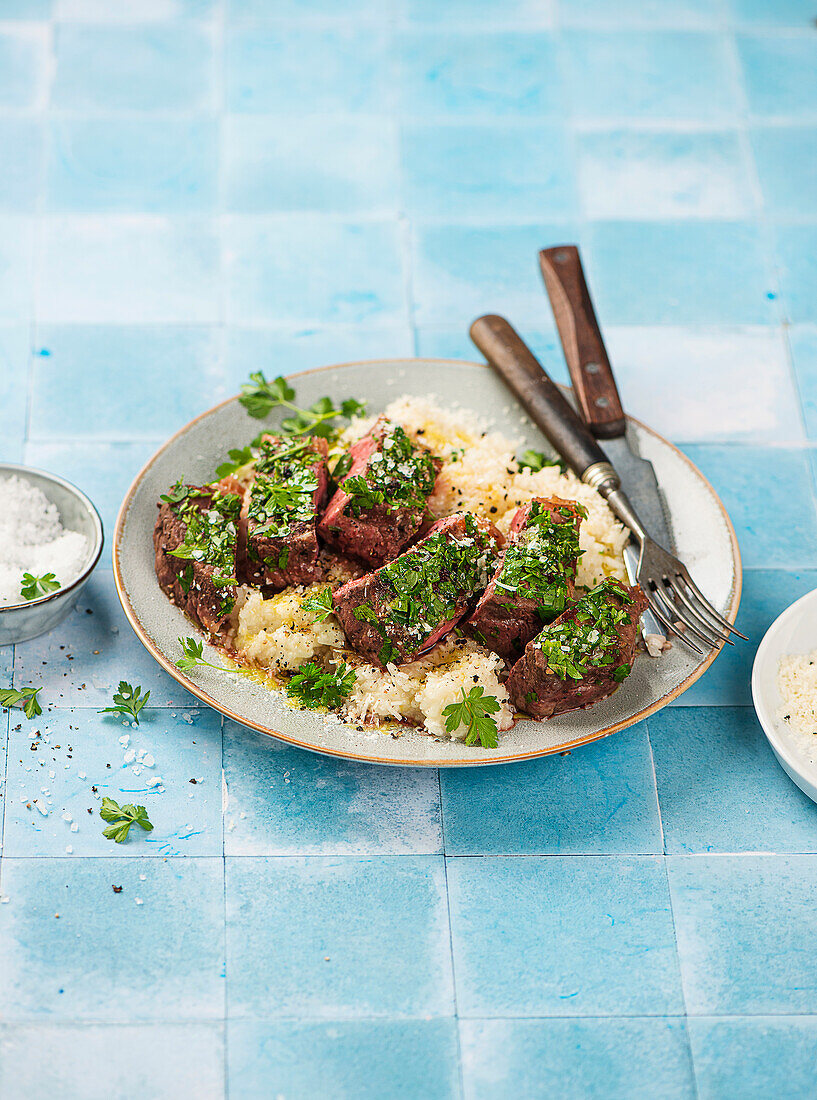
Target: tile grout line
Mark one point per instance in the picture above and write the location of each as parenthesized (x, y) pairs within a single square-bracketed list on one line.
[(451, 942)]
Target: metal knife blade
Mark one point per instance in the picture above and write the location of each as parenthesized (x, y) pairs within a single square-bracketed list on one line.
[(641, 485)]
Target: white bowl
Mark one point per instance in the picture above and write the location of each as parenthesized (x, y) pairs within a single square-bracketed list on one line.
[(793, 631), (21, 621)]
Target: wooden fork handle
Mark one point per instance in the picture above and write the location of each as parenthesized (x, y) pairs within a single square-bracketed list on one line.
[(542, 399), (586, 356)]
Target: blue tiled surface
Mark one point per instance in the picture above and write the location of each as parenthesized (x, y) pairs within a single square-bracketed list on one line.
[(319, 922), (590, 1059), (744, 1057), (746, 938), (565, 936), (66, 946), (334, 1060), (194, 189), (163, 1058)]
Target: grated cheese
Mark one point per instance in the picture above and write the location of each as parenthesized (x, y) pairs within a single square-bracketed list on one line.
[(33, 540)]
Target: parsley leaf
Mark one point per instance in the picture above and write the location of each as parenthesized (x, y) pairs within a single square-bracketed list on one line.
[(192, 650), (312, 687), (259, 397), (474, 712), (536, 460), (238, 457), (38, 586), (128, 701), (320, 605), (121, 818), (26, 699)]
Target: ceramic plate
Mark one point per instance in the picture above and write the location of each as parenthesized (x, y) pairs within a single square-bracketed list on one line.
[(703, 533), (794, 631)]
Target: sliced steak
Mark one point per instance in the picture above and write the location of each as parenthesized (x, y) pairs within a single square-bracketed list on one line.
[(581, 657), (279, 543), (195, 542), (402, 609), (534, 578), (380, 504)]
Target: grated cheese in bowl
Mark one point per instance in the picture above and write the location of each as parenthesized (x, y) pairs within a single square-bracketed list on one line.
[(797, 684), (33, 540)]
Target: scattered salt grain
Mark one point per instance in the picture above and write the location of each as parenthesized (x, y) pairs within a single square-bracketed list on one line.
[(124, 740), (147, 760), (69, 848), (33, 540), (138, 901), (74, 827), (130, 756), (155, 782)]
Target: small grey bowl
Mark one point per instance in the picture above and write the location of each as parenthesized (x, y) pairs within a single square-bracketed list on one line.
[(21, 621)]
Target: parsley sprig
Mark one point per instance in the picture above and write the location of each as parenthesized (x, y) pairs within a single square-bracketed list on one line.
[(474, 711), (259, 397), (25, 698), (128, 701), (319, 605), (34, 587), (121, 818), (239, 456), (192, 650), (313, 687)]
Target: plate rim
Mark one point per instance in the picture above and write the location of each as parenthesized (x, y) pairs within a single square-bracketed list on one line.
[(568, 746)]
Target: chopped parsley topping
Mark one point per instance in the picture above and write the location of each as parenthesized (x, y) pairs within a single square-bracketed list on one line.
[(128, 701), (319, 605), (542, 562), (259, 397), (589, 639), (121, 818), (284, 487), (399, 476), (425, 586), (475, 712), (33, 587), (313, 687), (210, 535), (25, 698), (536, 460)]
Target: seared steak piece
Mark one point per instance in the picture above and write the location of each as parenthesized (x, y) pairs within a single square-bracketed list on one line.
[(278, 545), (381, 502), (402, 609), (534, 578), (581, 657), (195, 541)]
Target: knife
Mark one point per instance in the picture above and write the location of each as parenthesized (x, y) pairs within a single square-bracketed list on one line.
[(595, 386)]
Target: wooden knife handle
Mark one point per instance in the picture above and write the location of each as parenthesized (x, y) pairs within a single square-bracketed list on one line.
[(583, 346), (541, 398)]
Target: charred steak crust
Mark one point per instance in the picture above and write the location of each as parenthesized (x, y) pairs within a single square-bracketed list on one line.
[(278, 544), (534, 578), (581, 657), (380, 504), (402, 609), (195, 542)]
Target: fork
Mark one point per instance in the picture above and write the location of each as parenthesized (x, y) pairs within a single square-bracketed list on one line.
[(673, 596)]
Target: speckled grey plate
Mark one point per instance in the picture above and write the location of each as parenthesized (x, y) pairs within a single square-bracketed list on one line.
[(704, 536)]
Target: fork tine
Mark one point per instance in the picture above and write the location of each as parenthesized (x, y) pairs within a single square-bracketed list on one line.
[(672, 609), (656, 606), (676, 590), (686, 623), (707, 606)]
